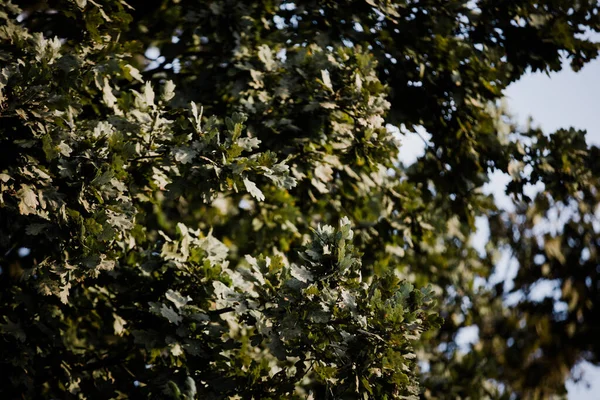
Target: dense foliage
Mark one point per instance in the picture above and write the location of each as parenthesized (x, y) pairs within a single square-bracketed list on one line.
[(203, 199)]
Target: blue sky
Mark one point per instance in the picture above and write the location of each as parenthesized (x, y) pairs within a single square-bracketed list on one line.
[(562, 99)]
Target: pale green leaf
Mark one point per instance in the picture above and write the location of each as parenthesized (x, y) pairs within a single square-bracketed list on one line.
[(132, 73), (168, 90), (119, 325), (29, 200), (170, 314), (254, 190), (326, 79), (177, 299)]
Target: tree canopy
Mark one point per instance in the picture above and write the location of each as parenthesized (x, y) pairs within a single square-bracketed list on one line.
[(204, 199)]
